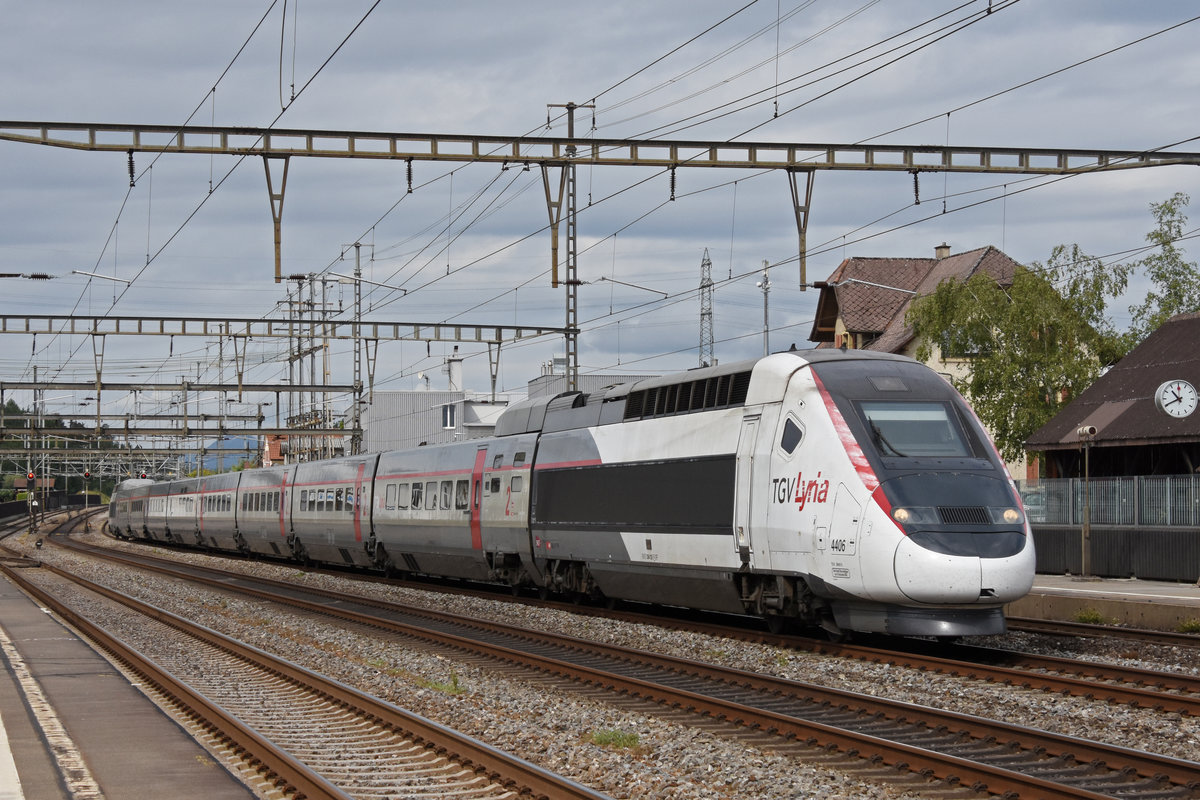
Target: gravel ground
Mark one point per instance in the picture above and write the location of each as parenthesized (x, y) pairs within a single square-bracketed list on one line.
[(553, 727)]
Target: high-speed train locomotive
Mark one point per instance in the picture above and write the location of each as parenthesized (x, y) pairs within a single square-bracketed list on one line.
[(850, 489)]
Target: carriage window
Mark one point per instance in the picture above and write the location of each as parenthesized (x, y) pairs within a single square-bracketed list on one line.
[(390, 502), (495, 485), (517, 483), (498, 462), (518, 459), (461, 493), (403, 496), (447, 489), (304, 499), (793, 434), (416, 495), (340, 500), (431, 494)]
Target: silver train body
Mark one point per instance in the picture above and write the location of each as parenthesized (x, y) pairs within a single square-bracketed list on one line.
[(850, 489)]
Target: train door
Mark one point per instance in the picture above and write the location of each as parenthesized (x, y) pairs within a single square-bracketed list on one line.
[(476, 498), (744, 508)]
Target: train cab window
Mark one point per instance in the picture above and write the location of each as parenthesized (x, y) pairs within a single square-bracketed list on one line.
[(390, 497), (462, 492), (416, 495), (518, 459), (792, 435), (498, 462), (403, 496), (447, 490), (431, 495), (913, 430), (518, 482)]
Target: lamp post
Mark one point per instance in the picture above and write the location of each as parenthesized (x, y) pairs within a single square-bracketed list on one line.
[(765, 285), (1086, 434)]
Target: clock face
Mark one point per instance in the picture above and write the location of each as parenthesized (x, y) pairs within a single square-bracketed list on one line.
[(1176, 398)]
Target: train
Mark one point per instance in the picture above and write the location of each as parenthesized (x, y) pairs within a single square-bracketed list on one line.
[(846, 489)]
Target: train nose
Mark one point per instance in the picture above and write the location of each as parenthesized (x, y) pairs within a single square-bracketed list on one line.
[(928, 576)]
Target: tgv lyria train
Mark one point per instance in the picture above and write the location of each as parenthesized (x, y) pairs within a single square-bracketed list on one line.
[(851, 489)]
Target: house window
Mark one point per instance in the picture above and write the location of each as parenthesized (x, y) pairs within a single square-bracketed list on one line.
[(449, 417)]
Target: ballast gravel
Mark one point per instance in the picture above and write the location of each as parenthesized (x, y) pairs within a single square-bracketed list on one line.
[(632, 750)]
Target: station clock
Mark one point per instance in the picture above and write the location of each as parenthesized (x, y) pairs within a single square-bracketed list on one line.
[(1176, 398)]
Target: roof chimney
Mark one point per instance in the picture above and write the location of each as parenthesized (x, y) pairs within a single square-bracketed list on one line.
[(941, 251)]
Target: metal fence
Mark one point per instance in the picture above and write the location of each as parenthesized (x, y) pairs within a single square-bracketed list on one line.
[(1151, 501)]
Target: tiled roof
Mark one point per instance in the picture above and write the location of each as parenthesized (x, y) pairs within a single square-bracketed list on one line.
[(878, 311), (1120, 404)]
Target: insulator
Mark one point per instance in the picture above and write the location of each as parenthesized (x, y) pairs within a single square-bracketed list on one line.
[(916, 188), (131, 168), (409, 161), (672, 182)]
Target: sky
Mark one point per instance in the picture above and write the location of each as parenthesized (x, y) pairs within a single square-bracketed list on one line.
[(469, 243)]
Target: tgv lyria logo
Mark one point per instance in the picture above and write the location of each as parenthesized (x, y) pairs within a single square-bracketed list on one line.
[(799, 491)]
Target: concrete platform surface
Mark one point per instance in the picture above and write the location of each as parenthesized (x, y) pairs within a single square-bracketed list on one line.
[(1155, 605), (72, 721)]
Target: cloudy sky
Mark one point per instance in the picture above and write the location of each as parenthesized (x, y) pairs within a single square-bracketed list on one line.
[(195, 237)]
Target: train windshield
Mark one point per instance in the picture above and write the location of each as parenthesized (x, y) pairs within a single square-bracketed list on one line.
[(914, 429)]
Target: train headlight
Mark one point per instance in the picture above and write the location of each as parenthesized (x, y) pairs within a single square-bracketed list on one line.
[(915, 515), (1006, 516)]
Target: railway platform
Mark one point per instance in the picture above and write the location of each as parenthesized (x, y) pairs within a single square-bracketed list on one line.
[(1154, 605), (71, 725)]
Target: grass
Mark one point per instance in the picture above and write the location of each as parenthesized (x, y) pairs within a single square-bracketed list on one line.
[(449, 687), (1190, 626), (1090, 616), (619, 740)]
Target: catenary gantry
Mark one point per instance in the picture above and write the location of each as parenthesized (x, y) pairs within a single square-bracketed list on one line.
[(799, 161)]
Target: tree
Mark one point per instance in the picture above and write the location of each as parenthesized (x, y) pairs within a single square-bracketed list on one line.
[(1175, 283), (1031, 346), (1036, 344)]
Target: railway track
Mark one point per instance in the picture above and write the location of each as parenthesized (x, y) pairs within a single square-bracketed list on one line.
[(996, 757), (311, 736), (1064, 628)]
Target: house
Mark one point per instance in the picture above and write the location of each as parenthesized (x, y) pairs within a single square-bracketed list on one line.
[(863, 303), (1145, 418)]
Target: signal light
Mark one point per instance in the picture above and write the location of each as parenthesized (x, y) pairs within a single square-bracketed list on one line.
[(87, 473), (31, 476), (143, 474)]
